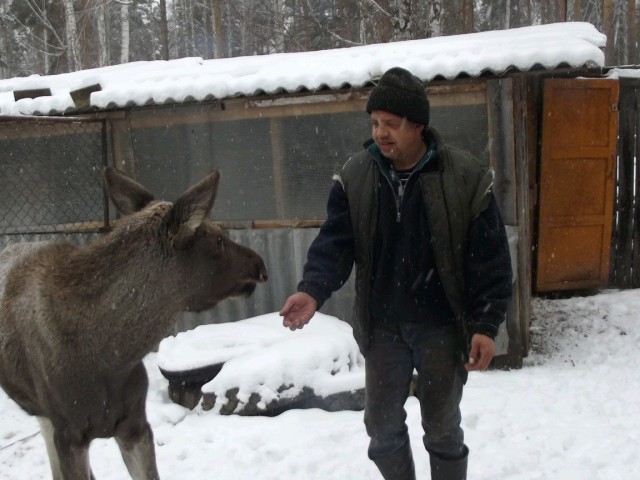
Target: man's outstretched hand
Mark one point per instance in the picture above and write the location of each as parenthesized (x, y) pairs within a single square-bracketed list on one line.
[(298, 310), (483, 349)]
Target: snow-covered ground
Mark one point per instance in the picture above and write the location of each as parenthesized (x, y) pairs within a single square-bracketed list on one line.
[(572, 413)]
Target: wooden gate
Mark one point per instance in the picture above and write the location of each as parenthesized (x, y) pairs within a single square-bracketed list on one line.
[(579, 132), (625, 246)]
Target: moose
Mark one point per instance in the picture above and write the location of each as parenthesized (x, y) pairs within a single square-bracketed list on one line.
[(77, 321)]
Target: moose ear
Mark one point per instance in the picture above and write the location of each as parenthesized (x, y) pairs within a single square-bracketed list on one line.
[(190, 210), (126, 194)]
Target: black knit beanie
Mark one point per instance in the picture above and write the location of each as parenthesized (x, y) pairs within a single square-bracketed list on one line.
[(400, 92)]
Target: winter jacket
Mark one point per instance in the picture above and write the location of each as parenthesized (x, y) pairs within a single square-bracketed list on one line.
[(466, 239)]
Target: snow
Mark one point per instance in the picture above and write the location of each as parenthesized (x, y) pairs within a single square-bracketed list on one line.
[(572, 412), (258, 353), (624, 72), (193, 79)]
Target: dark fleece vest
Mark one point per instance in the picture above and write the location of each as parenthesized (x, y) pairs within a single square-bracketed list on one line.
[(453, 193), (406, 283)]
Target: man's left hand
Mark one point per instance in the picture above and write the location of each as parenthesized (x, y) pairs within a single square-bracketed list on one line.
[(483, 349)]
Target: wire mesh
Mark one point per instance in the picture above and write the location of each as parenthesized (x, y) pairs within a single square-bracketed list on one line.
[(50, 176)]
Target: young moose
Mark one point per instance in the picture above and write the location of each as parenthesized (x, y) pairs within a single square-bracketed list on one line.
[(76, 322)]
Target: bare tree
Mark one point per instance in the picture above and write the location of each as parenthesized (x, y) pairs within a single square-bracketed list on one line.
[(189, 27), (218, 33), (554, 11), (277, 25), (243, 28), (621, 23), (5, 44), (124, 25), (103, 44), (71, 35), (402, 20), (607, 25), (575, 11), (434, 12), (528, 14), (468, 23), (562, 10), (632, 18), (39, 34), (164, 30), (306, 26)]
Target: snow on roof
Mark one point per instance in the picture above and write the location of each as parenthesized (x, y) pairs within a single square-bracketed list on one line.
[(575, 44), (624, 72)]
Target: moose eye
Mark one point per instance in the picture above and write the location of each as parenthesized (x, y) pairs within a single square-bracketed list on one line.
[(220, 243)]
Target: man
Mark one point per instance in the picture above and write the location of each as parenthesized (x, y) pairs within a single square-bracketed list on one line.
[(433, 275)]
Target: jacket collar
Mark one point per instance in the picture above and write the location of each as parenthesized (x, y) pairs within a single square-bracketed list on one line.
[(384, 164)]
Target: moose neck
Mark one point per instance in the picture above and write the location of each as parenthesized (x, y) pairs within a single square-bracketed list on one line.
[(129, 303)]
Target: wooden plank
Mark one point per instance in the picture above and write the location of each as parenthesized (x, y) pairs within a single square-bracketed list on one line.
[(33, 93), (121, 144), (501, 154), (502, 158), (82, 96), (635, 210), (33, 129), (621, 251), (287, 223), (531, 94), (79, 227), (100, 226), (524, 141), (45, 119), (287, 106)]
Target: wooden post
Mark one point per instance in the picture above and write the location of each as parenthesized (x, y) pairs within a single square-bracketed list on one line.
[(500, 105)]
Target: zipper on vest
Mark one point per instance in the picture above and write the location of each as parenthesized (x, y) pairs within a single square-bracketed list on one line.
[(399, 199), (399, 181), (398, 191)]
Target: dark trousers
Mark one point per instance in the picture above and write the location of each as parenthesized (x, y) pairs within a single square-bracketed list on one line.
[(394, 353)]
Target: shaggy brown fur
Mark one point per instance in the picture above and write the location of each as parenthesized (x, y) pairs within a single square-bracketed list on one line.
[(76, 322)]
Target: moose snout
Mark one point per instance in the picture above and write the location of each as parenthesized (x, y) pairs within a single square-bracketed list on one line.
[(257, 274)]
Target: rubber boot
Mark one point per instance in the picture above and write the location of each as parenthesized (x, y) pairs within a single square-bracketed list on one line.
[(397, 466), (442, 469)]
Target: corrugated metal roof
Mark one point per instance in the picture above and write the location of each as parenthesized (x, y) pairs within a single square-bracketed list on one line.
[(572, 44)]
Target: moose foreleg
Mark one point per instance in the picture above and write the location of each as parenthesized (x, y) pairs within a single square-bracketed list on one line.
[(48, 432), (134, 435), (73, 458), (46, 429), (138, 451)]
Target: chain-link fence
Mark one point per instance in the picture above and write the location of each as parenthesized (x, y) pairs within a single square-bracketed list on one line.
[(50, 175)]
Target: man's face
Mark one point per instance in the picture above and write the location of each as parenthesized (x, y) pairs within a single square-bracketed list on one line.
[(399, 139)]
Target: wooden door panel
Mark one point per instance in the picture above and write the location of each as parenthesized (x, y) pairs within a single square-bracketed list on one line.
[(575, 187), (579, 135), (582, 122), (574, 256)]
